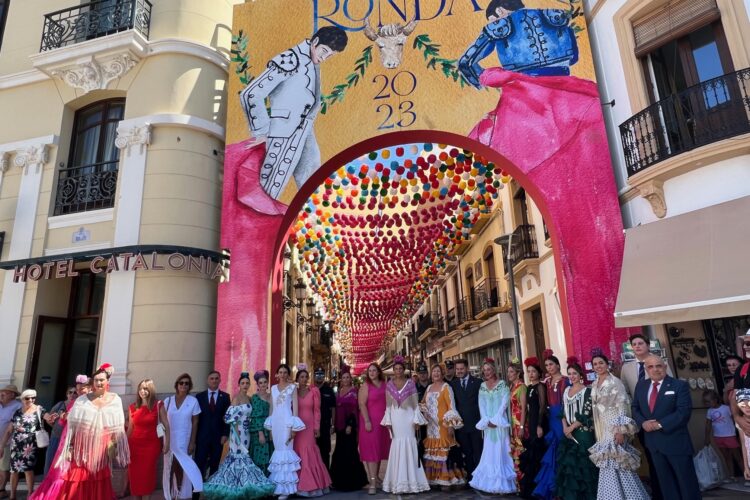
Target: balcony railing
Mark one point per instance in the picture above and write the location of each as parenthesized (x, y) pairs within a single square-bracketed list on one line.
[(709, 112), (429, 320), (88, 187), (94, 20), (465, 309), (524, 244), (451, 320), (487, 296)]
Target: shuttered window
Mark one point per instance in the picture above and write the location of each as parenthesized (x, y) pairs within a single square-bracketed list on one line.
[(671, 22)]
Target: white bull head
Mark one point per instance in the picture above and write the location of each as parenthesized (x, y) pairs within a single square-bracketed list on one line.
[(390, 39)]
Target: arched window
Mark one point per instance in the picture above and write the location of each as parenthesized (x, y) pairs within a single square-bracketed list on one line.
[(89, 180)]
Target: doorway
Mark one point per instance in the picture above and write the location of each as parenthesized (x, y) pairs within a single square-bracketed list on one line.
[(66, 346)]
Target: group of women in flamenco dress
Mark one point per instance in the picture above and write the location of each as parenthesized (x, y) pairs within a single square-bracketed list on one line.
[(574, 444), (588, 454)]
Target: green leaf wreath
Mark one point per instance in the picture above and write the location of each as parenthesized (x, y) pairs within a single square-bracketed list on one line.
[(338, 92), (574, 10), (241, 57), (431, 53)]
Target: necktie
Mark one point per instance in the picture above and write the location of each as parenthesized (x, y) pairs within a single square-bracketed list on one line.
[(212, 402), (463, 383), (652, 397), (641, 371)]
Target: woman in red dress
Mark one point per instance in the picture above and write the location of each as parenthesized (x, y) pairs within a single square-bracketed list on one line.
[(145, 444)]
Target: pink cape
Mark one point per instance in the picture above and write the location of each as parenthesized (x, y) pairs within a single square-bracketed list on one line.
[(551, 128)]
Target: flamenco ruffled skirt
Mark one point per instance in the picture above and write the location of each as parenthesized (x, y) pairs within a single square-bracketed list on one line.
[(238, 478), (577, 477), (283, 471)]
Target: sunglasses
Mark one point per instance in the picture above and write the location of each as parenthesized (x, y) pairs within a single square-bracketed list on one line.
[(183, 382), (33, 398), (71, 392)]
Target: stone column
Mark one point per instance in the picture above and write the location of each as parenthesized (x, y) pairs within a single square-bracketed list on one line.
[(30, 156), (117, 314)]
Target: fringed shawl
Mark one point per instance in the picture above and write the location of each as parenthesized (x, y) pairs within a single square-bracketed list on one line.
[(95, 435)]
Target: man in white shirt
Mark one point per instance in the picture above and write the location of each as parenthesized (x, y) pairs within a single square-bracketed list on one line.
[(9, 404), (634, 371), (631, 373), (661, 407)]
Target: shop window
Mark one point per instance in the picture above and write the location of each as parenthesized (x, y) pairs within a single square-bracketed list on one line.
[(89, 180), (722, 335)]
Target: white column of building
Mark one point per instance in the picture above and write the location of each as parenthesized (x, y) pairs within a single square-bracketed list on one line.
[(31, 156), (133, 138)]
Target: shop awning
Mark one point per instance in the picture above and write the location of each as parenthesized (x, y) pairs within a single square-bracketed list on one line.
[(688, 267)]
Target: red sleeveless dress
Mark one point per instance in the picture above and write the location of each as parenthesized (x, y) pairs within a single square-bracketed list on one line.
[(145, 447)]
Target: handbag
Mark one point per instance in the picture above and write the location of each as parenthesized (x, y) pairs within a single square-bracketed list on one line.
[(42, 436), (160, 430)]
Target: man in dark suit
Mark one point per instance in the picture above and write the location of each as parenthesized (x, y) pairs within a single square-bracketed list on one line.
[(212, 431), (662, 406), (466, 392)]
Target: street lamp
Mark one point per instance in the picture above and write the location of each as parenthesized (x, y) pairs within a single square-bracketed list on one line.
[(506, 242), (300, 292)]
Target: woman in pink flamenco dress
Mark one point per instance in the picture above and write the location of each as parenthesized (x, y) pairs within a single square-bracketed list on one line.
[(314, 480), (50, 488), (374, 439)]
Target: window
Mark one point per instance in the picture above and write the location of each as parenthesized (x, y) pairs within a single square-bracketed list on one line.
[(90, 178), (695, 58), (4, 6), (521, 207)]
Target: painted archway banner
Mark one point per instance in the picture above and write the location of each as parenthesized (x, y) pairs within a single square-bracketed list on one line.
[(315, 84)]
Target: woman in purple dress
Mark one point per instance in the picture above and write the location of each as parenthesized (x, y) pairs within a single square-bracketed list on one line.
[(347, 472), (374, 440)]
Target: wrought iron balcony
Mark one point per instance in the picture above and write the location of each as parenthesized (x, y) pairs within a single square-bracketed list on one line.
[(487, 296), (427, 322), (709, 112), (451, 320), (93, 20), (466, 308), (524, 244), (88, 187)]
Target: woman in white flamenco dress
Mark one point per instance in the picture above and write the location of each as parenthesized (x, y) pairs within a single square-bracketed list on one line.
[(403, 417), (284, 423), (495, 472)]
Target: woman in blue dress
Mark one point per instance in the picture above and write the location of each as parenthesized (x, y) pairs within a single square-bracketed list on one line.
[(555, 383), (238, 478)]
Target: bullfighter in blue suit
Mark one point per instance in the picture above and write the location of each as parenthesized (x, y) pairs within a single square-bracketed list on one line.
[(536, 42), (661, 406), (291, 82)]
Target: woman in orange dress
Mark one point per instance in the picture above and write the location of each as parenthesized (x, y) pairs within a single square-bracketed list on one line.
[(144, 442), (439, 408), (96, 437), (517, 415)]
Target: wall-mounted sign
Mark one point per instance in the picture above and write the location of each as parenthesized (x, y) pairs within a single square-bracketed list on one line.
[(81, 235), (126, 261)]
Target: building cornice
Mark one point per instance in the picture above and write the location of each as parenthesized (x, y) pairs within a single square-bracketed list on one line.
[(83, 57)]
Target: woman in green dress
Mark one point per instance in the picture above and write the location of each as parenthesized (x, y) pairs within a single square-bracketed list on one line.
[(261, 445), (577, 477)]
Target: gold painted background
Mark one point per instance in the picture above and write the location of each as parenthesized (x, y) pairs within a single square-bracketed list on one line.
[(273, 26)]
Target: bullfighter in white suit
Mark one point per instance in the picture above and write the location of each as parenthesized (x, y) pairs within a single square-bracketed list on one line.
[(291, 82)]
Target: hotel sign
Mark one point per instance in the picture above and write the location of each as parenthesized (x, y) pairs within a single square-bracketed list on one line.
[(125, 261)]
